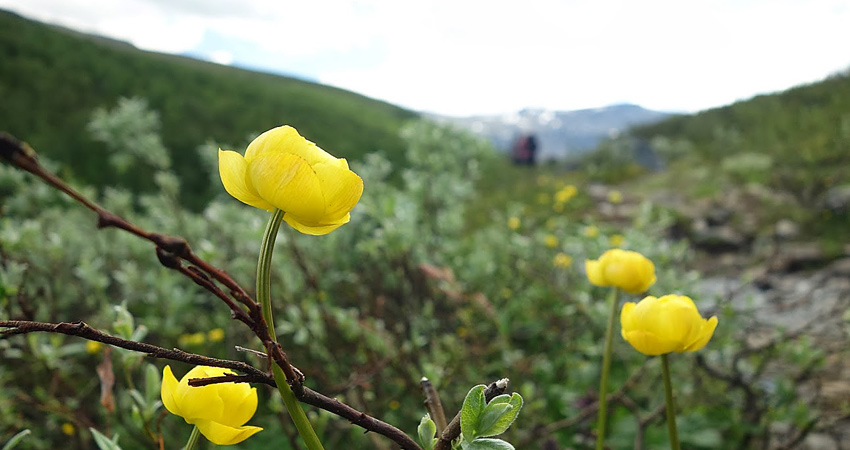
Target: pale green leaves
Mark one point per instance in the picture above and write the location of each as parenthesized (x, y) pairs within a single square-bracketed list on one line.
[(427, 429), (480, 419)]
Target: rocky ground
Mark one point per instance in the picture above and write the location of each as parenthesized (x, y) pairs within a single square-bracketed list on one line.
[(761, 262)]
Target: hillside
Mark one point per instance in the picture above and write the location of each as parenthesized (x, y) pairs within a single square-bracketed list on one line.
[(52, 79)]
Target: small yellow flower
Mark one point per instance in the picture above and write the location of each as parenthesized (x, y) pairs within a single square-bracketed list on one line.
[(671, 323), (462, 332), (562, 260), (617, 240), (215, 335), (192, 339), (550, 241), (282, 170), (590, 231), (627, 270), (218, 410), (513, 223), (394, 404), (615, 197), (68, 429), (93, 347), (564, 195)]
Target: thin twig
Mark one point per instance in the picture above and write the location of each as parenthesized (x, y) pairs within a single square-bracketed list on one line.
[(433, 404), (452, 431)]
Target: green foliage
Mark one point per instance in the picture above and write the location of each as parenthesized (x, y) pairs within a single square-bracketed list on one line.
[(426, 431), (52, 79), (417, 284), (103, 442), (16, 439)]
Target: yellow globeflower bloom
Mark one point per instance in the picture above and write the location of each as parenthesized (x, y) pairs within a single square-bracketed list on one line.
[(562, 260), (282, 170), (627, 270), (93, 347), (617, 240), (218, 410), (656, 326), (513, 223), (215, 335), (68, 429), (590, 231)]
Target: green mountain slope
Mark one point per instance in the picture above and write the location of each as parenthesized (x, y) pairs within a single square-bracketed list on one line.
[(797, 141), (51, 80)]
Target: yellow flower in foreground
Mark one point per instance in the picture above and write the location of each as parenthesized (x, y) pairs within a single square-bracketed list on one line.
[(627, 270), (550, 241), (656, 326), (218, 410), (513, 223), (562, 260), (282, 170)]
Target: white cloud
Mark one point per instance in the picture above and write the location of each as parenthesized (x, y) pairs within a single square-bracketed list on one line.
[(470, 56)]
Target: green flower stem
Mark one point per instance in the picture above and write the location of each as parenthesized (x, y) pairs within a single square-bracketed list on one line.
[(671, 404), (264, 297), (606, 367), (193, 439)]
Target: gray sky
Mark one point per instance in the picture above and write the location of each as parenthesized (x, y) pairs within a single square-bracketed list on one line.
[(462, 57)]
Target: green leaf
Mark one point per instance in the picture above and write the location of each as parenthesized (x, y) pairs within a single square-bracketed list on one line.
[(427, 430), (103, 442), (470, 413), (488, 444), (16, 439), (153, 383), (498, 416)]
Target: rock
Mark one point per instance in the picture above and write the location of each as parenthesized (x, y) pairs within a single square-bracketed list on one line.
[(716, 239), (794, 256), (837, 199), (819, 441), (786, 229)]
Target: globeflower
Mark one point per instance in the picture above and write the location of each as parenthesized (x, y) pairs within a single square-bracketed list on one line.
[(672, 323), (219, 411), (282, 170), (627, 270)]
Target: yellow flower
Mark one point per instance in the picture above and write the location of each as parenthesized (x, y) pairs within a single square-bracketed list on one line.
[(627, 270), (513, 223), (93, 347), (590, 231), (617, 240), (215, 335), (192, 339), (562, 260), (282, 170), (218, 410), (68, 428), (615, 197), (564, 195), (550, 240), (672, 323)]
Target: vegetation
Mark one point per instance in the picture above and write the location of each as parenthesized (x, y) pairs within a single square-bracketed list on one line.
[(52, 79)]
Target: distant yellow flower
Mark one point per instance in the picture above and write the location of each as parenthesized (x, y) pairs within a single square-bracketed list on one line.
[(562, 260), (192, 339), (671, 323), (218, 410), (93, 347), (564, 195), (215, 335), (615, 197), (590, 231), (617, 240), (394, 404), (627, 270), (282, 170), (513, 223), (68, 429), (550, 241), (551, 224)]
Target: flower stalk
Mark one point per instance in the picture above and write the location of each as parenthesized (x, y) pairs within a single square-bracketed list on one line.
[(193, 439), (293, 407), (613, 302), (671, 404)]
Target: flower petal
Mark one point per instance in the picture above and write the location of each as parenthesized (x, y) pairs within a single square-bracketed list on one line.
[(287, 182), (706, 333), (286, 139), (233, 170), (220, 434), (169, 386), (626, 320), (341, 188), (649, 344), (241, 403), (315, 230), (594, 273), (200, 402)]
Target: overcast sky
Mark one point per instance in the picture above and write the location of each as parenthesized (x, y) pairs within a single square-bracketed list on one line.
[(462, 57)]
